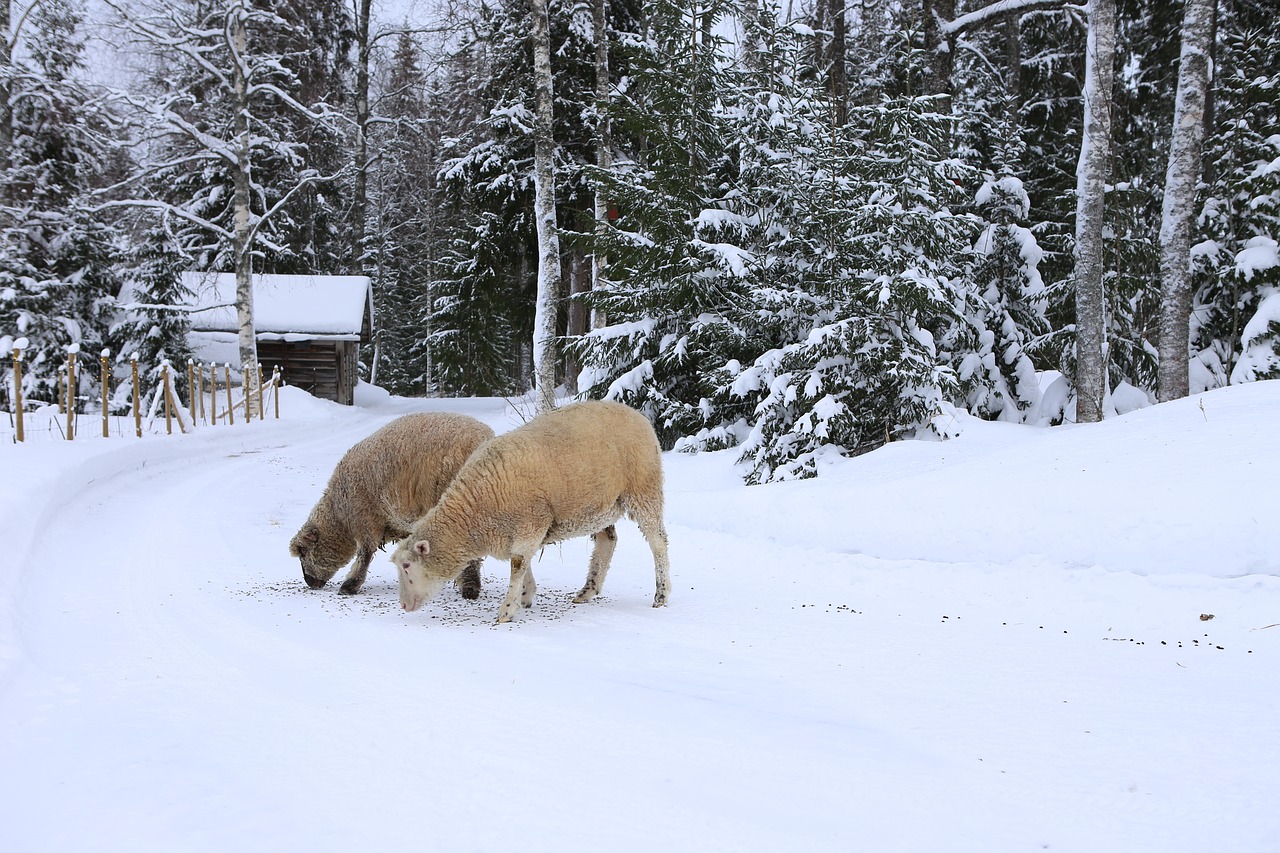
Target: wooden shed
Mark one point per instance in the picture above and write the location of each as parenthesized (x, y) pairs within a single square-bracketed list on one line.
[(310, 326)]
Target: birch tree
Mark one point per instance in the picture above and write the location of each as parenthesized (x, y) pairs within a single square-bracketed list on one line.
[(6, 87), (1177, 219), (1091, 176), (545, 351), (221, 126)]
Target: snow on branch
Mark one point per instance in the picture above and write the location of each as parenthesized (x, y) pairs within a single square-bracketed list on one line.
[(1000, 8), (306, 179), (167, 209)]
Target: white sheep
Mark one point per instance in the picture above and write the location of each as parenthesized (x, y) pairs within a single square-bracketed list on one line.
[(569, 472), (379, 489)]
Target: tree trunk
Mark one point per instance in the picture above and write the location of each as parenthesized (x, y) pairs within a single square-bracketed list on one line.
[(1177, 219), (545, 351), (604, 150), (6, 94), (360, 192), (1091, 176), (839, 49), (1013, 60), (749, 15), (579, 282), (241, 178), (940, 49)]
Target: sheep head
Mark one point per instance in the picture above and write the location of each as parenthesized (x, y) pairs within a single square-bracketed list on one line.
[(421, 577), (320, 553)]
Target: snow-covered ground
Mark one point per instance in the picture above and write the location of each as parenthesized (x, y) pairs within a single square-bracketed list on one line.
[(990, 644)]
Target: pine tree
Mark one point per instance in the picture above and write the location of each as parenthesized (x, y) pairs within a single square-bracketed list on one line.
[(57, 277), (878, 363), (154, 326), (481, 285), (670, 272), (1006, 305), (1241, 208), (401, 241)]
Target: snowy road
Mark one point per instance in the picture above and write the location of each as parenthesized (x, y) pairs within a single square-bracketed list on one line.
[(171, 684)]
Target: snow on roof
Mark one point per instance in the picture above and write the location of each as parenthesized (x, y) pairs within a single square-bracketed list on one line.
[(284, 306)]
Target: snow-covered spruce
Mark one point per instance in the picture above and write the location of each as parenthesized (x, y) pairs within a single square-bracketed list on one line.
[(568, 472), (380, 487)]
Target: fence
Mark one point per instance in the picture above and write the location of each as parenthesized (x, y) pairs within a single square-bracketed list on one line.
[(250, 398)]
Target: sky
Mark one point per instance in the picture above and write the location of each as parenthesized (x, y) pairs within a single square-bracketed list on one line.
[(1020, 639)]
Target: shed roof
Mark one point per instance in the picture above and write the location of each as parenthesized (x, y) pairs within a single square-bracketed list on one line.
[(288, 307)]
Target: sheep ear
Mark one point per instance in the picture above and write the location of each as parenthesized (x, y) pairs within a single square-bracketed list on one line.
[(422, 547), (307, 537)]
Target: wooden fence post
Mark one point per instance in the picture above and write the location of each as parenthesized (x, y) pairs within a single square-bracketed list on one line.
[(172, 402), (106, 423), (200, 389), (275, 388), (213, 394), (137, 403), (191, 388), (262, 410), (71, 390), (164, 382), (231, 409), (17, 383)]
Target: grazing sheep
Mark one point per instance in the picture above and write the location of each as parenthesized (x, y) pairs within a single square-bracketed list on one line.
[(380, 488), (569, 472)]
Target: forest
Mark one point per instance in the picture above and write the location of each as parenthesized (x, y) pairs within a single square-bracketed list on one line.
[(791, 228)]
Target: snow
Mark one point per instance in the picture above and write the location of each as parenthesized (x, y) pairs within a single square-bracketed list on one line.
[(1008, 191), (993, 643), (1259, 356), (1259, 254), (284, 306)]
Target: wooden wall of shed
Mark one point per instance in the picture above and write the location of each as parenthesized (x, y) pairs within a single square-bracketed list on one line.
[(325, 369)]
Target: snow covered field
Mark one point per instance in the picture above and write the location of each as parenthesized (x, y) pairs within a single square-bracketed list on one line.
[(990, 644)]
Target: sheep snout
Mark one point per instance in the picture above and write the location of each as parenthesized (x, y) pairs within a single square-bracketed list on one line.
[(313, 581)]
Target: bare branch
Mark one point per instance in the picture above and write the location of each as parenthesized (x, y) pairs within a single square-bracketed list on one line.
[(168, 210)]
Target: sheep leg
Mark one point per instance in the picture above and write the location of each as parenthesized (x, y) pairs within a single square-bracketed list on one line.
[(601, 555), (469, 581), (511, 604), (655, 533), (359, 571), (528, 588)]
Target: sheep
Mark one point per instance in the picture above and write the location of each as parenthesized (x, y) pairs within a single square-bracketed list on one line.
[(569, 472), (379, 489)]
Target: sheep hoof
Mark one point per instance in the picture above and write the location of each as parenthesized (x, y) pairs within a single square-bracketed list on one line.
[(349, 588), (470, 593), (584, 596), (659, 601)]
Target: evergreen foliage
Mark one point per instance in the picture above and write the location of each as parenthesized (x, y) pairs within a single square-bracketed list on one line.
[(154, 326), (57, 274), (672, 272), (793, 270), (401, 242), (1241, 196)]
